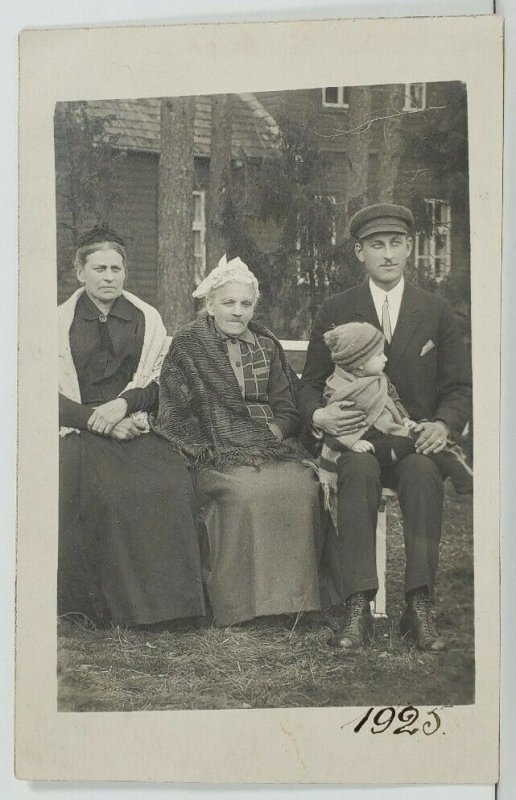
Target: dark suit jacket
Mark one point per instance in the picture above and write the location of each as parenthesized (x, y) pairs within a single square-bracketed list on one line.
[(436, 385)]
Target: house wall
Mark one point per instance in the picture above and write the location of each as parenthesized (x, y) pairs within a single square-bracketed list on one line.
[(135, 186), (305, 108), (134, 216)]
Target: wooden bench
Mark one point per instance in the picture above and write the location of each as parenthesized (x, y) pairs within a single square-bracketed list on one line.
[(296, 354)]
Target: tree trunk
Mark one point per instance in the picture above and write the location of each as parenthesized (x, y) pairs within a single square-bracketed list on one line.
[(392, 145), (220, 166), (175, 212), (357, 149)]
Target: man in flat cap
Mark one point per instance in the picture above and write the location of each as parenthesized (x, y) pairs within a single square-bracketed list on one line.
[(429, 366)]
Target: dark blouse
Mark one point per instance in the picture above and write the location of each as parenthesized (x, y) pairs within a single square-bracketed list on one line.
[(106, 351)]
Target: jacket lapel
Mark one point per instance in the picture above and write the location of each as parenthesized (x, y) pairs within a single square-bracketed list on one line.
[(408, 320), (364, 310)]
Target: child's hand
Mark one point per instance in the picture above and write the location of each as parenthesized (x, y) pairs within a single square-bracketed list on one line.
[(409, 423), (363, 446)]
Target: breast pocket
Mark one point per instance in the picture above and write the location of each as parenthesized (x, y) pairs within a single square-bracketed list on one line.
[(427, 348), (426, 362)]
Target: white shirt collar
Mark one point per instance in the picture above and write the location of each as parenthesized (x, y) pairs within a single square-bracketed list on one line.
[(394, 297)]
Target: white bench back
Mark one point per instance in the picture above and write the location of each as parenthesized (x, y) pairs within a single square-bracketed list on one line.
[(295, 346), (289, 346)]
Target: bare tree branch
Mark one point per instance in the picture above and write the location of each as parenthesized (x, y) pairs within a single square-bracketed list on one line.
[(417, 174), (362, 127)]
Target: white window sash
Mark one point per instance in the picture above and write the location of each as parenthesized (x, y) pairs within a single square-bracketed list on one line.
[(340, 99), (408, 105), (199, 226), (427, 251)]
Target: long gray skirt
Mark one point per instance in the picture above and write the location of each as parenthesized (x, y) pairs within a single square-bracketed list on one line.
[(264, 535)]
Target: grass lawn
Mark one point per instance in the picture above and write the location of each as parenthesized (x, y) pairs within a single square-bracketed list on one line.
[(283, 661)]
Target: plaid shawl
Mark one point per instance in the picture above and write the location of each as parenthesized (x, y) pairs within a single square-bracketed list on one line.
[(201, 409)]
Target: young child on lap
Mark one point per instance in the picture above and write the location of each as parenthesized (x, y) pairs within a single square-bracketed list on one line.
[(357, 350)]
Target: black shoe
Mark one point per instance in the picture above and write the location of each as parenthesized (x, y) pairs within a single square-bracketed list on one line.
[(458, 469), (418, 624), (358, 630)]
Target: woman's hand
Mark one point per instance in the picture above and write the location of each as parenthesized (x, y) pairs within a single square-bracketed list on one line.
[(106, 416), (127, 428), (339, 417), (432, 437)]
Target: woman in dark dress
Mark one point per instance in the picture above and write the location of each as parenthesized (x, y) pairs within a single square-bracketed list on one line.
[(128, 548)]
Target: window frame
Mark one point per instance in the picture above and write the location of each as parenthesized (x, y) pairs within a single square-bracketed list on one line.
[(441, 227), (340, 97), (301, 280), (199, 226), (408, 104)]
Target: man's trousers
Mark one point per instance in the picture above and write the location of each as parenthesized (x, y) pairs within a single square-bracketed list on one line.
[(419, 485)]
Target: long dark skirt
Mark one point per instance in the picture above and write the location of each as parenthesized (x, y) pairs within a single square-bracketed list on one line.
[(128, 546)]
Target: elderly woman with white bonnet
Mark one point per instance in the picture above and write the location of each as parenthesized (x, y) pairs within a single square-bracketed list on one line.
[(227, 404)]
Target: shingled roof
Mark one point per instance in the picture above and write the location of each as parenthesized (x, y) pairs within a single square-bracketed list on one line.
[(135, 125)]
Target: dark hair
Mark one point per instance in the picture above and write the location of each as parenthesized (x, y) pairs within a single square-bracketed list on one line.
[(85, 251), (100, 233)]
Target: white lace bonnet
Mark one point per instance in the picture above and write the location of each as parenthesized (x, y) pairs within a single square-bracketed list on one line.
[(234, 270)]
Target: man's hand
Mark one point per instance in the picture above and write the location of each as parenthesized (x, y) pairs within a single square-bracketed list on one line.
[(432, 437), (339, 417), (127, 428), (106, 416)]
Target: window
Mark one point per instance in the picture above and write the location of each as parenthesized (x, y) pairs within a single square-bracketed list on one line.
[(433, 247), (199, 237), (335, 97), (315, 241), (415, 97)]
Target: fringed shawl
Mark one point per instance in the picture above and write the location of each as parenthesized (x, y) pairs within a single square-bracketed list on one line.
[(201, 409)]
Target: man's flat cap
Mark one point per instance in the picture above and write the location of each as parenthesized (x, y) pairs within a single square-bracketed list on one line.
[(381, 218)]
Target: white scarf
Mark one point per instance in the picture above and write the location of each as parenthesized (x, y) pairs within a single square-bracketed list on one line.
[(154, 350)]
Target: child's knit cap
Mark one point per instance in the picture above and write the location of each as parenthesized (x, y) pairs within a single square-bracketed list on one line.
[(353, 343)]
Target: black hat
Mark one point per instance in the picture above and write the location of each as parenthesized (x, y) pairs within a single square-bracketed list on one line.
[(381, 218), (100, 233)]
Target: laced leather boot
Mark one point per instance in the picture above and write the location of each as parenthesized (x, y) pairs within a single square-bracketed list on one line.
[(418, 623), (358, 630)]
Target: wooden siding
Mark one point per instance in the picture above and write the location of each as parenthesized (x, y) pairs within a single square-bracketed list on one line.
[(137, 180), (135, 216)]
